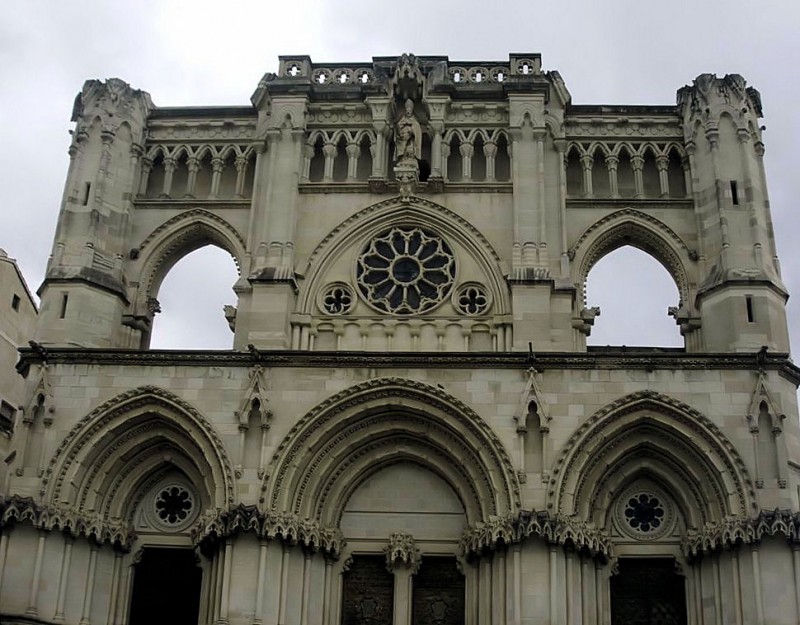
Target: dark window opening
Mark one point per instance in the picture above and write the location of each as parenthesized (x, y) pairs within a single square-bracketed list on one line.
[(734, 193), (64, 300), (87, 188), (648, 591), (15, 301), (166, 588), (751, 316), (368, 595), (438, 595), (7, 412)]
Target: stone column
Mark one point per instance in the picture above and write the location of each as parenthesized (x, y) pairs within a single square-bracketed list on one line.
[(224, 600), (490, 151), (554, 594), (329, 151), (353, 152), (217, 167), (169, 171), (4, 534), (241, 171), (63, 579), (88, 593), (612, 162), (284, 587), (193, 165), (144, 178), (587, 161), (403, 560), (662, 164), (637, 164), (436, 149), (467, 150), (33, 595)]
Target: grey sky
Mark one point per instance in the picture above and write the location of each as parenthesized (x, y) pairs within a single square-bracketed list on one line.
[(203, 52)]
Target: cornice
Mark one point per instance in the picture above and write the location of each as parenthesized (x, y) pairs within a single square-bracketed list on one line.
[(648, 359)]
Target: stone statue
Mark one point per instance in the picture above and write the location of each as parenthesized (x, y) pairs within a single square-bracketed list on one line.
[(408, 137)]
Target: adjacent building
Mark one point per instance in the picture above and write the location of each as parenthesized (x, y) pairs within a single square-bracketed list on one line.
[(410, 427)]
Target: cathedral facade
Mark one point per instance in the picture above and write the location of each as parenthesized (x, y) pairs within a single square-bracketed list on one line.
[(410, 427)]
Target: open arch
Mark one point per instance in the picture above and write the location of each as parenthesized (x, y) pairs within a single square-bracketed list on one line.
[(650, 434), (170, 242), (639, 230), (124, 442), (392, 212), (377, 424)]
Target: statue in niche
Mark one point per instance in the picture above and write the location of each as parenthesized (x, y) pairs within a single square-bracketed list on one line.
[(408, 137)]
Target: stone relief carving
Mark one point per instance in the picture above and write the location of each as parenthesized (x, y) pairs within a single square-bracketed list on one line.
[(401, 552)]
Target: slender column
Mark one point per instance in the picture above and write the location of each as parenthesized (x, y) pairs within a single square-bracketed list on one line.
[(499, 588), (284, 588), (3, 553), (144, 178), (337, 615), (217, 167), (37, 576), (485, 585), (759, 150), (445, 149), (326, 598), (305, 597), (467, 150), (612, 162), (737, 589), (121, 614), (64, 578), (757, 585), (308, 154), (213, 588), (698, 591), (586, 585), (796, 566), (261, 581), (553, 585), (598, 593), (490, 151), (569, 583), (86, 608), (403, 593), (116, 572), (587, 161), (241, 171), (224, 600), (662, 163), (561, 146), (169, 171), (539, 135), (436, 149), (193, 165), (353, 152), (637, 163), (717, 590), (473, 593), (329, 151), (517, 581)]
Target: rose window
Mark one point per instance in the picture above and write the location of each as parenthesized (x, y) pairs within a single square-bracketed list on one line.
[(174, 504), (644, 512), (472, 299), (405, 271)]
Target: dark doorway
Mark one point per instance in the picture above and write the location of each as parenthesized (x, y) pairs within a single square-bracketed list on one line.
[(438, 593), (648, 591), (166, 588), (368, 592)]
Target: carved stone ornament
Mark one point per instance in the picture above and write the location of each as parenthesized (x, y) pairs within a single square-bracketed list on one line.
[(401, 552)]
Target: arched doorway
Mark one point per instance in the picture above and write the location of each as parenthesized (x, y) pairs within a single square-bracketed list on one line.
[(166, 587), (648, 591)]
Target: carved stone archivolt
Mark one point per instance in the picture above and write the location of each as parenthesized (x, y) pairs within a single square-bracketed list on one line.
[(647, 432), (432, 429), (85, 470)]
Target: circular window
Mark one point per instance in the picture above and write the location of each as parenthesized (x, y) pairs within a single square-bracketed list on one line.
[(644, 512), (472, 299), (337, 299), (174, 504), (405, 271)]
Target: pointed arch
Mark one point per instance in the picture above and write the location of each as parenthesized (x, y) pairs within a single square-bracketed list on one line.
[(394, 211), (176, 238), (650, 434), (123, 442), (376, 424), (635, 228)]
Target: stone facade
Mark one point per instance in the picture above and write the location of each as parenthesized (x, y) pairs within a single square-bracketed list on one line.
[(410, 428), (17, 324)]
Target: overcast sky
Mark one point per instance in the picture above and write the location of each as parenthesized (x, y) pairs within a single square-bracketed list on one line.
[(208, 53)]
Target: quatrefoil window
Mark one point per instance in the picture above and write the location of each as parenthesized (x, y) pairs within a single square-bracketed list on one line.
[(337, 299), (472, 299), (405, 271)]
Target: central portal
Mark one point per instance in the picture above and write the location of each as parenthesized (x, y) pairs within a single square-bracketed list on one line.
[(166, 588), (648, 591)]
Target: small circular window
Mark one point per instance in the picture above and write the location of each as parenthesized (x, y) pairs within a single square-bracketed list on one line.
[(472, 299), (405, 271), (644, 512), (337, 299), (174, 505)]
